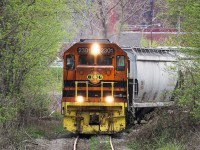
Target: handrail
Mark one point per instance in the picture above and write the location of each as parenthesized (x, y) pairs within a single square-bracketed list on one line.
[(112, 89), (76, 88)]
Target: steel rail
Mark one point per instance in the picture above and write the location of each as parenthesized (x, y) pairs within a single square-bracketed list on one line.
[(75, 142), (111, 145)]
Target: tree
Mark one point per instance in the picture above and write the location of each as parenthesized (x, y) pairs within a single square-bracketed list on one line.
[(30, 34), (105, 18), (188, 19)]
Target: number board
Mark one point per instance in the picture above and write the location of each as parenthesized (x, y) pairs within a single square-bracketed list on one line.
[(86, 50), (83, 50)]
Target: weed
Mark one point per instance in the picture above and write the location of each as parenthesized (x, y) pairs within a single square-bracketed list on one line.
[(57, 116), (93, 143), (164, 132), (46, 128), (35, 131), (171, 146), (99, 142), (134, 145)]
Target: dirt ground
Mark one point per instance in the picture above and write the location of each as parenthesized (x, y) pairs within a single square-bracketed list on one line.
[(189, 134), (67, 144), (120, 141)]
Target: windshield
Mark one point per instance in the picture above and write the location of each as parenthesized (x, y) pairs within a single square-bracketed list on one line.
[(104, 60), (120, 63), (86, 60)]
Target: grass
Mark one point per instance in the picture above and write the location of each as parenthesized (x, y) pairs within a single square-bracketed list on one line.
[(171, 146), (34, 131), (162, 142), (17, 138), (46, 129), (162, 133), (99, 143), (93, 143)]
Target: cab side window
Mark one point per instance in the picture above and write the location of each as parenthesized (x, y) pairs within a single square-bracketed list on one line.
[(120, 60), (70, 62)]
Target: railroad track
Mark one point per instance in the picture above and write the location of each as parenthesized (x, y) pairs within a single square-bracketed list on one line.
[(77, 138)]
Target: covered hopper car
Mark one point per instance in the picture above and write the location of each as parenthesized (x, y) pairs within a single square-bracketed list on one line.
[(106, 86)]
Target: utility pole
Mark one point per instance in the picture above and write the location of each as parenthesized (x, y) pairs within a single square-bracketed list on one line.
[(152, 16), (179, 27)]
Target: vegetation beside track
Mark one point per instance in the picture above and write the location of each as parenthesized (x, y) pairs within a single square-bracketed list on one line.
[(169, 129), (99, 142), (42, 118)]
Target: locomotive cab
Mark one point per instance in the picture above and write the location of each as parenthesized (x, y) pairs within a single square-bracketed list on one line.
[(95, 88)]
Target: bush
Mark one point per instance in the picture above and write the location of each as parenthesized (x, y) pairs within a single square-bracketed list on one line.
[(170, 129)]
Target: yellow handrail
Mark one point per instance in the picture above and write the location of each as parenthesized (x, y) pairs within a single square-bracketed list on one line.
[(76, 88), (112, 89)]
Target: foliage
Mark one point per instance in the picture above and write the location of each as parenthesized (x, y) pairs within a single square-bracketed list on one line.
[(6, 113), (105, 18), (35, 132), (148, 43), (168, 41), (100, 142), (188, 15), (169, 129), (93, 143), (55, 74), (45, 128), (30, 35), (188, 18), (161, 145), (20, 138), (39, 90), (160, 141), (57, 116), (171, 146)]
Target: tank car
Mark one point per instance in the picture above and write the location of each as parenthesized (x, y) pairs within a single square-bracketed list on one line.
[(153, 76)]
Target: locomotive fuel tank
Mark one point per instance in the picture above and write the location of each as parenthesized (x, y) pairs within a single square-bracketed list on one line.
[(151, 77)]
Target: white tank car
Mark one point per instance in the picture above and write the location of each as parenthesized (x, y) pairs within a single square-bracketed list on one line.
[(151, 77)]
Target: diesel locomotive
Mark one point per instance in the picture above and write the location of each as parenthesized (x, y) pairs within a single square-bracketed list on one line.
[(103, 87)]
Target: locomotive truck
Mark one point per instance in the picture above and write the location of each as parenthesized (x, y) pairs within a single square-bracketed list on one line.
[(105, 86)]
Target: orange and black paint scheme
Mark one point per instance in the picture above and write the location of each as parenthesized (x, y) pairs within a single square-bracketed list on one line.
[(95, 87)]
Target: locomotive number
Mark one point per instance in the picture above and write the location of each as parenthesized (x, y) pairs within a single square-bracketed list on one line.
[(86, 50), (107, 50), (83, 50)]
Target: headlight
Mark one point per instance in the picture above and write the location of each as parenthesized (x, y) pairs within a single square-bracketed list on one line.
[(95, 49), (79, 99), (109, 99)]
